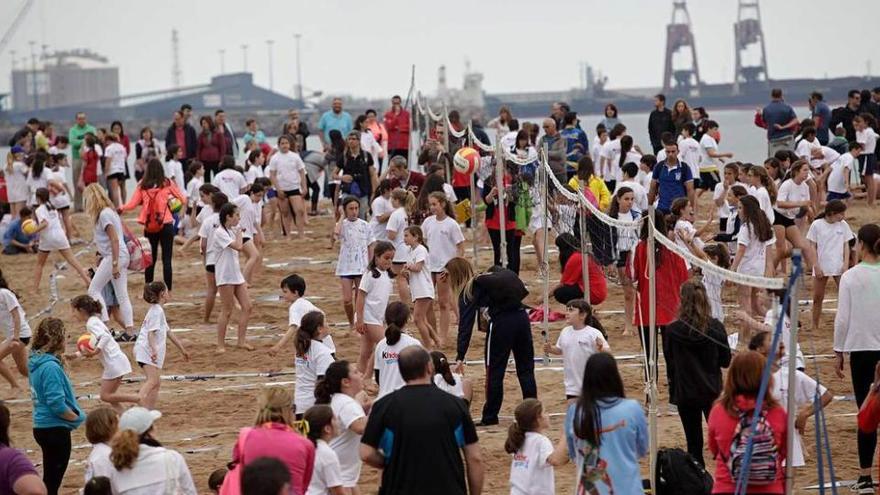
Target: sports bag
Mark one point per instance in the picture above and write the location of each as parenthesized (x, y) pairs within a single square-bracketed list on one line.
[(679, 473)]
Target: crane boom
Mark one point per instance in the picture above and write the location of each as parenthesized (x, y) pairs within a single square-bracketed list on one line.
[(16, 21)]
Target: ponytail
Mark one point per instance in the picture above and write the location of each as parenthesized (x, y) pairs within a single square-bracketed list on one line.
[(125, 447), (86, 304), (526, 415), (441, 367), (317, 417), (308, 330), (396, 315), (332, 381)]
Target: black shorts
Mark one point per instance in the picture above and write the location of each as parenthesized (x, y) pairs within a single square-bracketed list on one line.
[(569, 397), (868, 164), (782, 220), (398, 263), (708, 180), (350, 277), (209, 268), (142, 364), (63, 208), (24, 340), (118, 176), (293, 192), (245, 240), (622, 258)]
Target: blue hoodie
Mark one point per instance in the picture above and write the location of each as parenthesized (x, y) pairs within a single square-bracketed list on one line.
[(52, 393)]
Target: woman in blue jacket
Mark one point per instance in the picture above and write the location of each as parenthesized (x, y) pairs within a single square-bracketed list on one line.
[(56, 412)]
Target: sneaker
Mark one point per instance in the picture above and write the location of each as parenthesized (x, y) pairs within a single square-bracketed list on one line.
[(123, 337), (864, 485), (487, 422)]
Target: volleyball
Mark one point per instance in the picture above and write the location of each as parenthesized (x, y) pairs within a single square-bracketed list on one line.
[(86, 342), (29, 226), (466, 161), (175, 205)]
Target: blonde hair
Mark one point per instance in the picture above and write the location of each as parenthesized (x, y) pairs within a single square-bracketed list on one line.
[(48, 338), (275, 405), (405, 198), (460, 274), (95, 199)]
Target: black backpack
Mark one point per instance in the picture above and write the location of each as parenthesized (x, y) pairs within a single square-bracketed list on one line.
[(679, 473)]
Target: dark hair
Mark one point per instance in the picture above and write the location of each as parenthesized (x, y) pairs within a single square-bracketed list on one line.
[(4, 424), (854, 145), (39, 163), (252, 158), (584, 308), (853, 92), (586, 169), (694, 309), (85, 303), (755, 218), (776, 93), (659, 226), (808, 131), (513, 124), (264, 475), (309, 327), (626, 145), (869, 236), (209, 120), (209, 189), (98, 485), (614, 209), (382, 188), (568, 245), (739, 190), (101, 424), (678, 205), (215, 480), (226, 211), (569, 118), (630, 170), (758, 339), (441, 367), (718, 250), (42, 195), (601, 380), (256, 188), (153, 290), (816, 95), (4, 284), (600, 128), (381, 248), (318, 417), (526, 416), (396, 316), (185, 106), (154, 175), (332, 381), (227, 162), (616, 131), (613, 110), (218, 199), (191, 170), (834, 207), (294, 283), (413, 362), (690, 128), (649, 161)]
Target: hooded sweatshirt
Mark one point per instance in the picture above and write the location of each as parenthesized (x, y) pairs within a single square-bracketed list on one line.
[(52, 393), (694, 361)]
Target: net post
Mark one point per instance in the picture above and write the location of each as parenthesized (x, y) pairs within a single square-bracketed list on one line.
[(544, 191), (651, 345), (500, 200), (447, 137), (791, 406), (473, 187), (585, 270)]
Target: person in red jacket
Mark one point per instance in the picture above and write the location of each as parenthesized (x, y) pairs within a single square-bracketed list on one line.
[(397, 126), (670, 273), (571, 285), (740, 397), (210, 146)]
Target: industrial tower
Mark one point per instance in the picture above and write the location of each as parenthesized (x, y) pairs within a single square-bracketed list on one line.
[(680, 37), (747, 32)]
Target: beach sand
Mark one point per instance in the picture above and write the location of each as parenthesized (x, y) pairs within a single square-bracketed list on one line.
[(201, 418)]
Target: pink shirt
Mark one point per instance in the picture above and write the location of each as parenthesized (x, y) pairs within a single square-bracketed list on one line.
[(281, 442)]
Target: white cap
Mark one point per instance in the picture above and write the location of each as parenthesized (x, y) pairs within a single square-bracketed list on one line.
[(138, 419)]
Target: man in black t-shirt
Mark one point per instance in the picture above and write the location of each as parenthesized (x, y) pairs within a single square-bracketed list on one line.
[(414, 436)]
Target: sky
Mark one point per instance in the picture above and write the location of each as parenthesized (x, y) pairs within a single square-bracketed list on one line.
[(367, 48)]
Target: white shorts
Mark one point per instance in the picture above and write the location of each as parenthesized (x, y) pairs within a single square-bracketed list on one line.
[(53, 242), (536, 222)]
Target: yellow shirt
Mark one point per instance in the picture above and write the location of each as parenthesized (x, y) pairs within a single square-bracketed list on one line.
[(599, 189)]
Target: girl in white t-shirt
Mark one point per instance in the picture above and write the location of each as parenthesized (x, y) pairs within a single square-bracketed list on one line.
[(18, 334), (754, 254), (227, 242), (194, 199), (450, 382), (372, 299), (113, 360), (312, 359), (327, 473), (343, 389), (149, 348), (714, 283), (403, 202), (253, 166), (249, 206), (52, 239), (173, 167), (60, 194), (534, 455), (209, 222), (16, 174), (686, 235), (576, 343), (37, 177), (793, 197), (445, 241), (829, 235), (762, 187), (381, 209), (115, 156), (421, 288), (288, 174), (385, 369), (627, 238), (355, 237)]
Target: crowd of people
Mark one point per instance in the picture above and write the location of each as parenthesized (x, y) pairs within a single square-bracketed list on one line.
[(399, 226)]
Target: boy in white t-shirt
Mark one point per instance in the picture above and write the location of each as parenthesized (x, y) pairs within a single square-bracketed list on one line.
[(293, 288), (576, 344)]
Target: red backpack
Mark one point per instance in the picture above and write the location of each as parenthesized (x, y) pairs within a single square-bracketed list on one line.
[(156, 204)]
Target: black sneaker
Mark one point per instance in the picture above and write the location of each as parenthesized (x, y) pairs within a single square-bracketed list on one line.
[(124, 337), (488, 422), (864, 485)]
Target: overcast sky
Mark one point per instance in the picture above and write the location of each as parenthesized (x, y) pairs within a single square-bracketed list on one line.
[(366, 48)]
